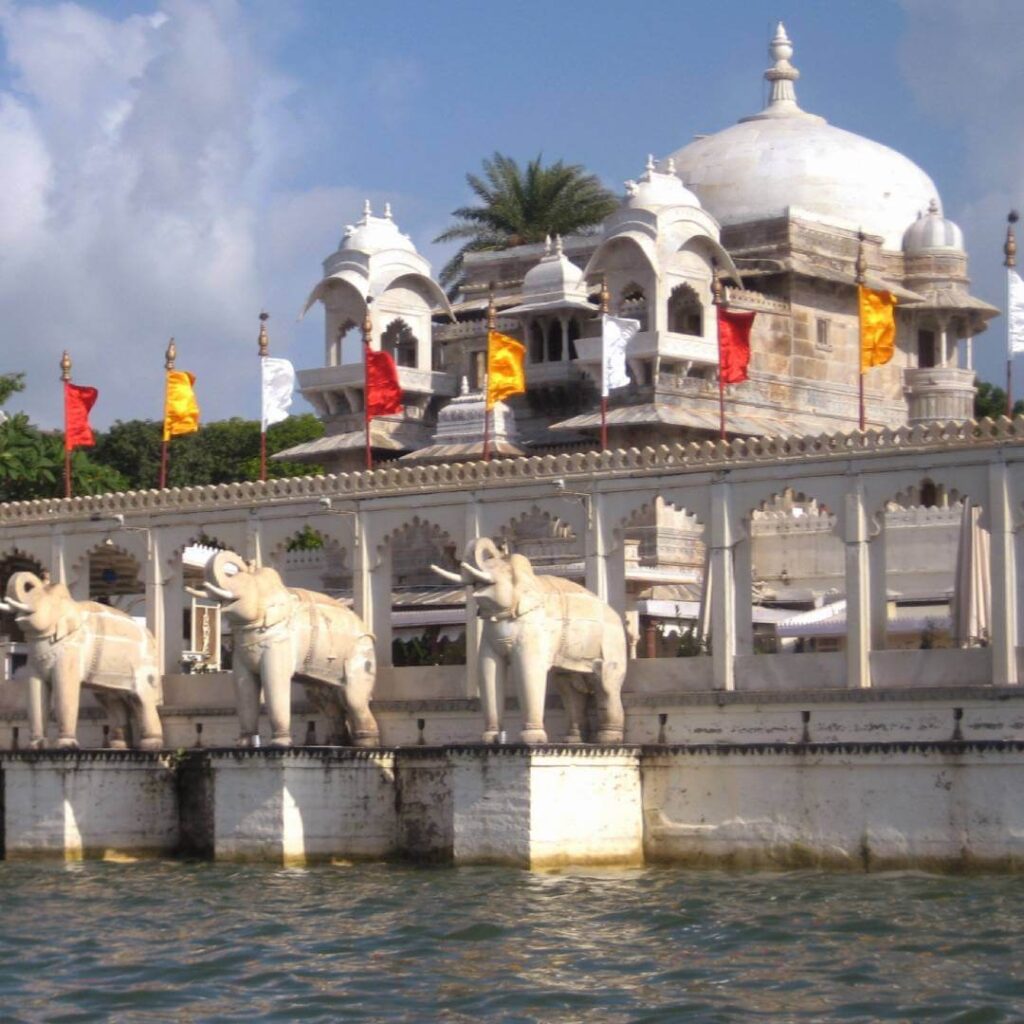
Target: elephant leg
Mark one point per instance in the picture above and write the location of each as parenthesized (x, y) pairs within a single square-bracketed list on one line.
[(611, 717), (574, 700), (67, 693), (149, 730), (492, 693), (38, 708), (360, 675), (277, 669), (531, 667), (247, 699), (117, 719)]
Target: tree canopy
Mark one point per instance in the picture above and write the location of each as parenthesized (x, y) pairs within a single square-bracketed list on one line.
[(127, 456), (990, 401), (523, 205)]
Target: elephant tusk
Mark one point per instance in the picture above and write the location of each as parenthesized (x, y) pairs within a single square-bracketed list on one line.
[(5, 607), (219, 592), (18, 606), (196, 593), (453, 576), (483, 577)]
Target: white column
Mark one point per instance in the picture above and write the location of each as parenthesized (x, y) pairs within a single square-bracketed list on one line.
[(605, 569), (969, 352), (1004, 577), (254, 538), (472, 621), (58, 568), (858, 590), (156, 613), (877, 585), (174, 610), (371, 585), (743, 573), (723, 589)]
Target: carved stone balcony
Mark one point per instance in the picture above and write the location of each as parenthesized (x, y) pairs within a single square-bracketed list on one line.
[(939, 394)]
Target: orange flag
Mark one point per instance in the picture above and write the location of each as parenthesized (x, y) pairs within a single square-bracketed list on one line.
[(181, 410), (505, 373), (877, 327)]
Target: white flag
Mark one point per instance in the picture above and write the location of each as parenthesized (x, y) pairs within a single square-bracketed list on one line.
[(1015, 311), (616, 333), (278, 384)]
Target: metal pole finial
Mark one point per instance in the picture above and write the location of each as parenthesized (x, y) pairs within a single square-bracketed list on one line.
[(717, 289), (264, 340), (492, 310), (606, 296), (1010, 245), (65, 366), (367, 324), (170, 355), (861, 266)]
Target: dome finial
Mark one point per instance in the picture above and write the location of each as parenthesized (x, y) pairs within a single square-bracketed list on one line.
[(547, 245), (933, 206), (366, 208), (649, 166), (387, 210), (558, 245), (782, 75)]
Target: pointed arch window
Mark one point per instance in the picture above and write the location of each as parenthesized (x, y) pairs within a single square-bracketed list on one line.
[(633, 303), (685, 311), (400, 343)]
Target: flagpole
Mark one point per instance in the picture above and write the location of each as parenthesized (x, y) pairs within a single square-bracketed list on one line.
[(861, 275), (718, 301), (605, 297), (1010, 252), (367, 336), (492, 325), (264, 347), (65, 376), (169, 356)]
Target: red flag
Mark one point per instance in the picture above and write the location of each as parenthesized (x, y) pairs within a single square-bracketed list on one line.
[(733, 345), (78, 401), (383, 392)]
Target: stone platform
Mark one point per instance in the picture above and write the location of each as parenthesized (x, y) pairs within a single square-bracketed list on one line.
[(946, 805)]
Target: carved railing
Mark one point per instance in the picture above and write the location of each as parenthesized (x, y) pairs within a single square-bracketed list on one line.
[(695, 457)]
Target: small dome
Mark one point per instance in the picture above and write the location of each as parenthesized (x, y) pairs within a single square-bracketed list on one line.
[(555, 275), (785, 158), (657, 189), (374, 234), (931, 231)]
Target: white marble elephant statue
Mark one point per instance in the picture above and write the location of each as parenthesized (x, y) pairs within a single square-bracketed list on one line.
[(72, 644), (534, 625), (283, 634)]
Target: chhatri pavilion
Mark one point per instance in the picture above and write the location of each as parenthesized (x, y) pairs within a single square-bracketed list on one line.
[(776, 202)]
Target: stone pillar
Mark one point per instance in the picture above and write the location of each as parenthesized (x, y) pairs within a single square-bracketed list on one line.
[(605, 570), (156, 612), (858, 591), (743, 572), (254, 538), (969, 353), (174, 609), (878, 605), (371, 585), (1004, 577), (723, 588), (58, 568), (472, 675)]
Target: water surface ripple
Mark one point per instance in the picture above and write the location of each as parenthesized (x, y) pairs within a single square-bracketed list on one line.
[(186, 942)]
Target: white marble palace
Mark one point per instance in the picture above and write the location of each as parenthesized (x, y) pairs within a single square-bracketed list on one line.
[(776, 203)]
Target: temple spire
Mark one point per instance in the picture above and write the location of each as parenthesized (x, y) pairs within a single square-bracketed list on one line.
[(782, 74)]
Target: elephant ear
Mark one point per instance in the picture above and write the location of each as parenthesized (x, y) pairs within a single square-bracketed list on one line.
[(275, 597), (70, 616), (524, 584)]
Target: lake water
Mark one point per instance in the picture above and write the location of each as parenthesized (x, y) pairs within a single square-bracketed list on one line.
[(201, 942)]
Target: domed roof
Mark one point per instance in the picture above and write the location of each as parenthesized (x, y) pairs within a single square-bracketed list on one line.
[(374, 234), (554, 275), (785, 158), (931, 231), (657, 189)]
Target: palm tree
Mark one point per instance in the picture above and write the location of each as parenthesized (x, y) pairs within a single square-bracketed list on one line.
[(521, 206)]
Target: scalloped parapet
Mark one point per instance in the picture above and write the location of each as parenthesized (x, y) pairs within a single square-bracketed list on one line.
[(695, 457)]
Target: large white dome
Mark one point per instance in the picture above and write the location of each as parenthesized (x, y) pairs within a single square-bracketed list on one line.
[(785, 158)]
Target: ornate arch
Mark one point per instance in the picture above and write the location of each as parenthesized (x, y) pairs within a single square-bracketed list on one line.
[(414, 546)]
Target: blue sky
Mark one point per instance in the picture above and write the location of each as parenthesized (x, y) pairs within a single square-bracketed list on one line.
[(173, 167)]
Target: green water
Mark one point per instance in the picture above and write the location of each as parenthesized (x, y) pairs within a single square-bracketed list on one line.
[(177, 942)]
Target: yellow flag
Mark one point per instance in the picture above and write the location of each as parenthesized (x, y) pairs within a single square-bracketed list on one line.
[(505, 375), (877, 327), (181, 410)]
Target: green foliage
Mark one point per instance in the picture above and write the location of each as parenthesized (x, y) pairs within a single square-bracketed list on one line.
[(286, 434), (429, 649), (10, 383), (990, 401), (691, 644), (519, 206), (307, 539), (30, 465)]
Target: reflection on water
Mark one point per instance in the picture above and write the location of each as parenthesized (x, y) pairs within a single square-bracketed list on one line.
[(175, 942)]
